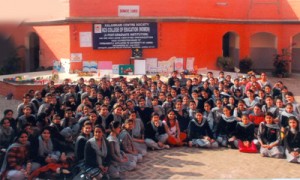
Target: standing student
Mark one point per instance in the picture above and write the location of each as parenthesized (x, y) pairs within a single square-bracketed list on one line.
[(269, 138), (292, 141)]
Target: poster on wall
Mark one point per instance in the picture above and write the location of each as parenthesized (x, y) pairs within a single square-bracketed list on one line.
[(139, 67), (178, 64), (105, 65), (56, 65), (190, 63), (65, 65), (85, 39), (89, 66), (76, 57), (126, 69), (125, 35), (115, 68), (151, 64)]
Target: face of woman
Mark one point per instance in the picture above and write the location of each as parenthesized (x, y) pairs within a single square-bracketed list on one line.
[(293, 124), (117, 130), (46, 135), (226, 112), (98, 133), (269, 119), (171, 115), (245, 120), (6, 124), (87, 129), (178, 106), (289, 109), (199, 117), (118, 111), (23, 138)]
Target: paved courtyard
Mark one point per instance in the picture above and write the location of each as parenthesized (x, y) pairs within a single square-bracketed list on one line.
[(194, 163)]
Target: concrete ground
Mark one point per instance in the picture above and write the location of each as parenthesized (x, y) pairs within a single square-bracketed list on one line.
[(195, 163)]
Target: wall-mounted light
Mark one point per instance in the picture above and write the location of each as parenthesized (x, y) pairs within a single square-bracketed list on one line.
[(221, 3)]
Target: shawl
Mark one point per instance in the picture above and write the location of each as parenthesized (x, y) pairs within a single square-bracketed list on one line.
[(137, 130), (14, 145), (228, 119), (100, 152), (245, 125), (43, 148), (202, 122), (272, 126)]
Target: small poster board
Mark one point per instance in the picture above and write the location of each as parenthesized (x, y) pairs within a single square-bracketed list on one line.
[(105, 65), (139, 67), (76, 57), (89, 66), (85, 39), (151, 65), (115, 68), (126, 69), (190, 63), (178, 64), (65, 65)]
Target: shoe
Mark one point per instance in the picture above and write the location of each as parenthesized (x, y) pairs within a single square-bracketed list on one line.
[(166, 146)]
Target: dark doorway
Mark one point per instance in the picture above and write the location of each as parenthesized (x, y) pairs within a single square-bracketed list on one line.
[(230, 47), (34, 52), (226, 39)]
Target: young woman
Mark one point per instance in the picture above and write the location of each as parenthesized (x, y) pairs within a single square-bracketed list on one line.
[(16, 161), (285, 115), (7, 135), (137, 133), (256, 117), (182, 116), (176, 137), (226, 128), (292, 141), (245, 135), (240, 110), (126, 142), (96, 152), (81, 140), (156, 133), (119, 162), (269, 138), (199, 133)]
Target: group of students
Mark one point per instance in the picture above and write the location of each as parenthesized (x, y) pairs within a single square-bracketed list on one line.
[(99, 130)]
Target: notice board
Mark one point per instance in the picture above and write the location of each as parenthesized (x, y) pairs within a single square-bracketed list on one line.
[(125, 35)]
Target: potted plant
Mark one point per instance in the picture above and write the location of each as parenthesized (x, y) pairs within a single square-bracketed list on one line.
[(225, 63), (281, 64), (245, 64)]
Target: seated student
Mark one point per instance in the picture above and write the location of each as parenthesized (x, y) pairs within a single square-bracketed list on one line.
[(269, 138), (157, 108), (16, 161), (182, 116), (96, 152), (270, 107), (156, 133), (199, 133), (245, 135), (8, 113), (226, 128), (126, 141), (7, 135), (292, 141), (27, 117), (256, 117), (285, 115), (175, 136), (105, 118), (119, 162), (137, 133), (240, 110), (81, 140)]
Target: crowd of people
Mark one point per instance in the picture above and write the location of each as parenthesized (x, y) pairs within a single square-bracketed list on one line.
[(101, 129)]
